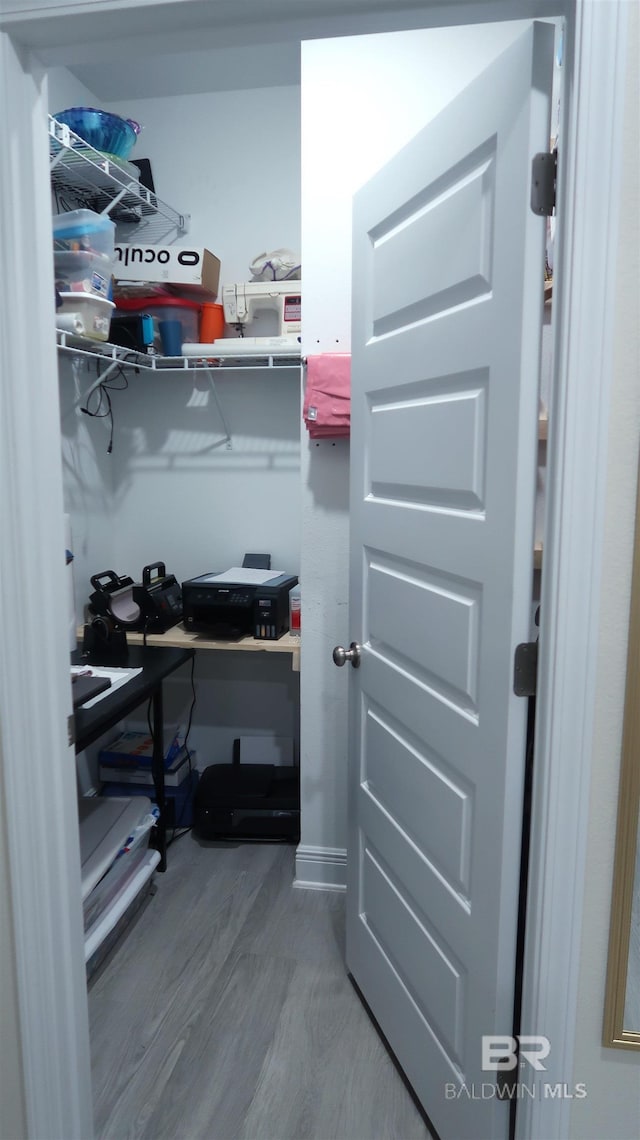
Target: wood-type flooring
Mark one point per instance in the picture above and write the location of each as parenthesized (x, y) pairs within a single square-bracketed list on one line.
[(225, 1013)]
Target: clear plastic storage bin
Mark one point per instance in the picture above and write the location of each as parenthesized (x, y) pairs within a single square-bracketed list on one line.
[(84, 314), (84, 230), (82, 272)]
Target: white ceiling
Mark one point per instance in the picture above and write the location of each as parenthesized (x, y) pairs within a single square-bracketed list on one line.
[(132, 49), (194, 71)]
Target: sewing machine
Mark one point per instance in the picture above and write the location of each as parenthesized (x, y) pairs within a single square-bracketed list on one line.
[(243, 303), (255, 301)]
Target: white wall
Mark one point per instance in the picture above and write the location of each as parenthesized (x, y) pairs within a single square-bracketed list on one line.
[(88, 478), (67, 91), (363, 98), (612, 1076), (231, 160)]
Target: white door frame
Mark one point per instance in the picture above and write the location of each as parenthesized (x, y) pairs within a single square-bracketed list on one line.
[(38, 800), (37, 782), (584, 312)]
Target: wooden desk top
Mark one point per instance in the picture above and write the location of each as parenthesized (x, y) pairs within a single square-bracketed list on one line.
[(181, 639)]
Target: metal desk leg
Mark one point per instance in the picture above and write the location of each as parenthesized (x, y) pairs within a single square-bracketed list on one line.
[(158, 774)]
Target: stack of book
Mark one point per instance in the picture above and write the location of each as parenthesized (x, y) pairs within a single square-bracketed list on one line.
[(128, 760)]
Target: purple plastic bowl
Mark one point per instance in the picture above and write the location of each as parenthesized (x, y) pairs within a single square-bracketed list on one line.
[(101, 129)]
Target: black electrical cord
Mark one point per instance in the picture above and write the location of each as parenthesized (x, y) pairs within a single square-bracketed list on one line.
[(100, 415), (103, 390)]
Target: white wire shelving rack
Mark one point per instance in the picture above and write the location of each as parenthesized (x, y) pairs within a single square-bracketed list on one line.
[(109, 185), (127, 357)]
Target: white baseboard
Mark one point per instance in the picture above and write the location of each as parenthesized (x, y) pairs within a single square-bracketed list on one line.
[(321, 868)]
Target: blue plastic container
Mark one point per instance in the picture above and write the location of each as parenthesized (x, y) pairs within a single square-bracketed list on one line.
[(84, 230), (101, 130)]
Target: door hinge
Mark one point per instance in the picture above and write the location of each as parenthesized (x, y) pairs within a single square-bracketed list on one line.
[(544, 174), (525, 669), (71, 729)]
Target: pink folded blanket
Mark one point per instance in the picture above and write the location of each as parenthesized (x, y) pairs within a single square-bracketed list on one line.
[(327, 397)]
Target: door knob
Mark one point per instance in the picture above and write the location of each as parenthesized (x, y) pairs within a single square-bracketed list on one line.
[(352, 654)]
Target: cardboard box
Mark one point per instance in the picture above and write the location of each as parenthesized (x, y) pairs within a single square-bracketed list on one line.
[(194, 269)]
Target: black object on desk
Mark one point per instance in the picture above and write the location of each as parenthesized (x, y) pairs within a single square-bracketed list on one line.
[(85, 688), (90, 724), (103, 643)]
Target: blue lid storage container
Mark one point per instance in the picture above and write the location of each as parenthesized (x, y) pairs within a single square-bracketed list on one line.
[(84, 230)]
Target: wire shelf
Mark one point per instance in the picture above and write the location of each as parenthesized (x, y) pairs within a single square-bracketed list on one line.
[(130, 358), (109, 185)]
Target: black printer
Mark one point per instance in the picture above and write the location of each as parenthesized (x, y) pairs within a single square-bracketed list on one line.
[(230, 606), (248, 802)]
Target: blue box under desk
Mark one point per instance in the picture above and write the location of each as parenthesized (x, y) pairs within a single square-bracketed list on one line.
[(178, 801)]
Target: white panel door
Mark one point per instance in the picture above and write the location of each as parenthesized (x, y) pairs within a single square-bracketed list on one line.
[(447, 311)]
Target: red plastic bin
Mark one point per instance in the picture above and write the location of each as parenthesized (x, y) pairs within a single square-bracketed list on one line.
[(167, 309)]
